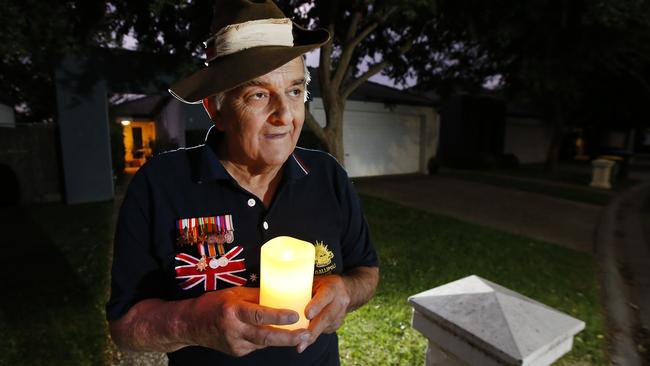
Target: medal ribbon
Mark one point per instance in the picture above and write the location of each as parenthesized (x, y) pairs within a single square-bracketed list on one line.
[(208, 233)]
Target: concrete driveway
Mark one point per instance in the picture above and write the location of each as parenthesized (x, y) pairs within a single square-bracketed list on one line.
[(568, 223)]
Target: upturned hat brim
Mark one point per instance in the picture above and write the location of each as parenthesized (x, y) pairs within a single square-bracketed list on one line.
[(227, 72)]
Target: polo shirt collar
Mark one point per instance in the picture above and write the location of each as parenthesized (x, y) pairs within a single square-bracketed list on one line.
[(210, 168), (294, 167)]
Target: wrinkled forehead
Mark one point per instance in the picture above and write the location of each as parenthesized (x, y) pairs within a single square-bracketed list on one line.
[(293, 73), (287, 73)]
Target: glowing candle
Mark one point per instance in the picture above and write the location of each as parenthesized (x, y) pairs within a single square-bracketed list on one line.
[(286, 276)]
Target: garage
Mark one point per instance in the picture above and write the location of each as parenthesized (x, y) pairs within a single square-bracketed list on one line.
[(384, 139)]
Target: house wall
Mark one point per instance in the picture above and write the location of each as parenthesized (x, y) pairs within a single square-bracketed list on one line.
[(197, 124), (472, 131), (172, 123), (196, 118), (30, 152), (84, 137), (184, 124), (383, 140), (528, 139)]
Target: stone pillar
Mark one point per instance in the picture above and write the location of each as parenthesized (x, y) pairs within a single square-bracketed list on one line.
[(473, 321), (601, 173), (437, 356)]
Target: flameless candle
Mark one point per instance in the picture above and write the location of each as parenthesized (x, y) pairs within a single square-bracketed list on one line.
[(286, 276)]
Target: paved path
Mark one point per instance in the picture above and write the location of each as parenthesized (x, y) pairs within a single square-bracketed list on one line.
[(564, 222), (622, 245)]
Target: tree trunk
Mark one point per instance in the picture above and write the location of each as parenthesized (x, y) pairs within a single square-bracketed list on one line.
[(332, 135), (334, 112)]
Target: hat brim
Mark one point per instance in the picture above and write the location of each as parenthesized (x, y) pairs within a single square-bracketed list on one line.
[(227, 72)]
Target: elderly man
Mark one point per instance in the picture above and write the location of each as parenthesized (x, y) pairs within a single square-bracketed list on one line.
[(187, 245)]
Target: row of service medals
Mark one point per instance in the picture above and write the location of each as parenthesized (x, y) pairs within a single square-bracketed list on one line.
[(209, 234)]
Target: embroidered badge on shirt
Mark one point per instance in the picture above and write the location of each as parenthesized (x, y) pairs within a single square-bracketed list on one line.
[(324, 258)]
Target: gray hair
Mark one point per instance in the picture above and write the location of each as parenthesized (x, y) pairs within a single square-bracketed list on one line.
[(219, 97)]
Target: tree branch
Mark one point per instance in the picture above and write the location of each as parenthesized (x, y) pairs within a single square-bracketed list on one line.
[(324, 62), (354, 24), (371, 27), (352, 42), (325, 59), (354, 84), (372, 70)]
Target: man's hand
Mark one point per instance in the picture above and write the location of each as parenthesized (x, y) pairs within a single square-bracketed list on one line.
[(327, 308), (335, 296), (232, 322), (229, 320)]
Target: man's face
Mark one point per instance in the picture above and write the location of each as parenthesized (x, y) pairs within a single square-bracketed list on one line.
[(262, 119)]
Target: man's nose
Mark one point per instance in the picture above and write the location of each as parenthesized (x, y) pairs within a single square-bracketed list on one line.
[(281, 114)]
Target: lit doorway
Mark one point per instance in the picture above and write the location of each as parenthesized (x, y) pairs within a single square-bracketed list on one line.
[(139, 139)]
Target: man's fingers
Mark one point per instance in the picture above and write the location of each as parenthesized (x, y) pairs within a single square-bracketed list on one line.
[(318, 303), (261, 315), (316, 326), (271, 336), (319, 323)]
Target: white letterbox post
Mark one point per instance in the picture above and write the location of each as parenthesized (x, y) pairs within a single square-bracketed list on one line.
[(473, 321), (601, 173)]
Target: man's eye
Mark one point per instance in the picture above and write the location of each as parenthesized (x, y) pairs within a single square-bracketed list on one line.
[(295, 92), (258, 96)]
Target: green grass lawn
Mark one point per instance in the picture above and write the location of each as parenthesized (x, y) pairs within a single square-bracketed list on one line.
[(579, 193), (419, 251), (575, 172), (55, 270), (569, 181), (55, 280)]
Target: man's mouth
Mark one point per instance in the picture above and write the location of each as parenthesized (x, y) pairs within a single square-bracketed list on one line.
[(275, 136)]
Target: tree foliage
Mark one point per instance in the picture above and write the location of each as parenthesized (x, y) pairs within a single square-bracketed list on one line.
[(570, 58), (578, 60), (34, 35), (165, 26), (553, 46)]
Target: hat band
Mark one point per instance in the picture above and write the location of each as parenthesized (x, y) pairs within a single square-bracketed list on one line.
[(237, 37)]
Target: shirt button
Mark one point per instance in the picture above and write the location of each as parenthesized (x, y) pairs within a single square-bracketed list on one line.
[(251, 202), (265, 225)]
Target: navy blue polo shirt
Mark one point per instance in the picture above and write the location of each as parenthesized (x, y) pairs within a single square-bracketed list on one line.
[(180, 202)]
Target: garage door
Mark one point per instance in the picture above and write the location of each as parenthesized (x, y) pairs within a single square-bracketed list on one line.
[(381, 143)]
